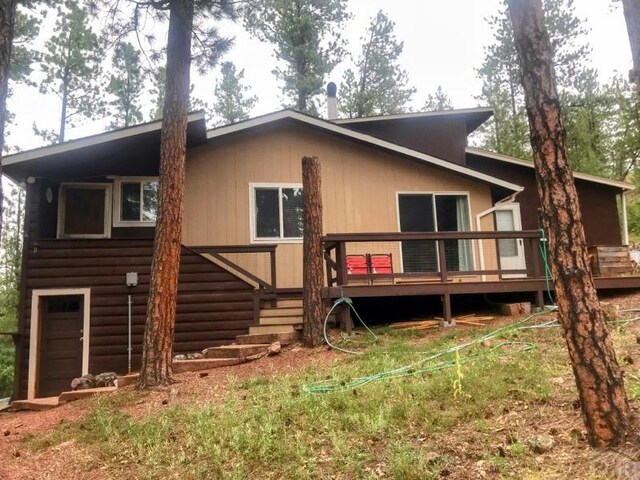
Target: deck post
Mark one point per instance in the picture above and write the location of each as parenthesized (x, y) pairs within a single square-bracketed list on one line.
[(256, 306), (447, 319), (346, 322), (274, 276), (341, 260)]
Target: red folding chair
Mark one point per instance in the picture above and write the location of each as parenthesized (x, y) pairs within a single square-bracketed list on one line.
[(381, 263), (357, 265)]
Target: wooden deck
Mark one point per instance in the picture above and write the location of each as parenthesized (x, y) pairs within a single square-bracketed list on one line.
[(484, 271)]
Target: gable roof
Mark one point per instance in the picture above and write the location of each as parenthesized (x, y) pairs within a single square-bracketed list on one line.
[(332, 127), (474, 117), (524, 163)]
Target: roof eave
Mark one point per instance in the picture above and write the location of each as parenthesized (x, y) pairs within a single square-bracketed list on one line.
[(580, 176), (94, 140)]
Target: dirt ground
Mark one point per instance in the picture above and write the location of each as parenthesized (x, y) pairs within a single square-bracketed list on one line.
[(18, 462)]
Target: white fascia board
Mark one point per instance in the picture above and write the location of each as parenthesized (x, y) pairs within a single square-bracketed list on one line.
[(91, 141), (345, 132), (523, 163), (401, 116)]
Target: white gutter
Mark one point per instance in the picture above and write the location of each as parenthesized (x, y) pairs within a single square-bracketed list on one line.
[(625, 224)]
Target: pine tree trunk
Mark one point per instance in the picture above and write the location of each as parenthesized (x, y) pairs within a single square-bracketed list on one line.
[(157, 351), (632, 17), (312, 271), (7, 17), (598, 377)]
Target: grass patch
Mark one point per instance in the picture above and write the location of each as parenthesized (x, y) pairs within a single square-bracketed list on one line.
[(273, 429)]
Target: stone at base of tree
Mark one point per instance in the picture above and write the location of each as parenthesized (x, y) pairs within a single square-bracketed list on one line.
[(522, 308), (274, 348), (189, 356), (541, 443), (84, 382), (104, 379)]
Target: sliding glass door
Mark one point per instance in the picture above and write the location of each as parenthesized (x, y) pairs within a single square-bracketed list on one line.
[(417, 215), (426, 212)]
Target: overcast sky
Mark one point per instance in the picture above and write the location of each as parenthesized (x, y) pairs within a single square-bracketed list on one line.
[(444, 44)]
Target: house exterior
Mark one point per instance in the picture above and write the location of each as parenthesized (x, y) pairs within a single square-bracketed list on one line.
[(404, 187)]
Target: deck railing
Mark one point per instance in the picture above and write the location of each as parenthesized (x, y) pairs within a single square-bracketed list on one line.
[(266, 284), (434, 256)]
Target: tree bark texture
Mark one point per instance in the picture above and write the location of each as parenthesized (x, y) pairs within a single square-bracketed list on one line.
[(157, 351), (632, 17), (597, 374), (312, 270), (7, 19)]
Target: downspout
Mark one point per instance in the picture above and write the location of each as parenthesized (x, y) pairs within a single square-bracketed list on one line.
[(480, 215), (625, 224)]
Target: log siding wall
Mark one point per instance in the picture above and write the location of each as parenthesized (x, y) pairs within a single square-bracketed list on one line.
[(213, 305)]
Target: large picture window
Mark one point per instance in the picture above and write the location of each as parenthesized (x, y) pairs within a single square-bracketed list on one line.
[(276, 212), (135, 202)]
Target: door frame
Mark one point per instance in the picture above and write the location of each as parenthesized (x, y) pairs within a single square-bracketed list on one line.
[(514, 207), (459, 193), (34, 335)]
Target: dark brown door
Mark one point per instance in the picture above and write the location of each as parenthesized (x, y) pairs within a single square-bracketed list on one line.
[(60, 348)]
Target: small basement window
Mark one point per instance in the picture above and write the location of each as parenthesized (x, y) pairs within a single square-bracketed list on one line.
[(135, 202), (276, 213)]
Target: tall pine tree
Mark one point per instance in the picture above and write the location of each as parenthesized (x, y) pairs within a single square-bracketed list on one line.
[(306, 39), (437, 101), (187, 18), (231, 103), (126, 84), (508, 133), (71, 66), (378, 86)]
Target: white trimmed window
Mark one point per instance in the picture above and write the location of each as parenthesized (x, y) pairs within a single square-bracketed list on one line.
[(135, 201), (276, 212)]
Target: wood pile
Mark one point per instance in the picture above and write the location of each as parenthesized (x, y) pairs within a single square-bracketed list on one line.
[(470, 319)]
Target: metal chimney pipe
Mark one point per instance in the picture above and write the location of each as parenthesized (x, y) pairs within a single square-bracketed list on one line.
[(332, 103)]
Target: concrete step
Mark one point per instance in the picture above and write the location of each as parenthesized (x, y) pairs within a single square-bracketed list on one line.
[(87, 392), (281, 312), (235, 351), (35, 404), (271, 329), (182, 366), (268, 338), (288, 320)]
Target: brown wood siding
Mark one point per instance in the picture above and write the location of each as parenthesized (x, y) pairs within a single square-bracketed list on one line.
[(359, 188), (213, 305), (44, 214), (444, 138), (598, 202)]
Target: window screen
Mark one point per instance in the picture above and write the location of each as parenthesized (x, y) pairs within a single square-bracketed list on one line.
[(278, 212), (267, 213), (84, 211)]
